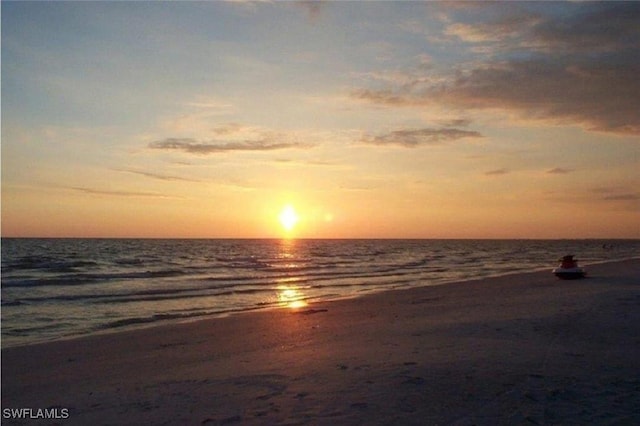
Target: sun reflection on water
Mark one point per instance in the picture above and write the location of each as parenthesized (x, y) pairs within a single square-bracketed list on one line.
[(290, 296)]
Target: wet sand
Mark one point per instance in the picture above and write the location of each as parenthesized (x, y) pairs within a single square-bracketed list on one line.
[(519, 349)]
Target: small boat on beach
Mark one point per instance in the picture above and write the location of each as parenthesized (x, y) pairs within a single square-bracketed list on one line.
[(569, 269)]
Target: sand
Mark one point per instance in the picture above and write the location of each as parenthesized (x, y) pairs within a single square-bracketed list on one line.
[(519, 349)]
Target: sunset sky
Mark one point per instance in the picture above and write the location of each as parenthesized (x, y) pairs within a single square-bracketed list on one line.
[(347, 119)]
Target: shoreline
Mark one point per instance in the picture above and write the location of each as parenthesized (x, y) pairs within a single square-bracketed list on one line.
[(516, 348), (214, 316)]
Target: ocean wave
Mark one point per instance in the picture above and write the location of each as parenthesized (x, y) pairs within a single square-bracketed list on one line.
[(145, 320), (88, 278), (46, 264), (12, 302), (46, 327), (173, 296), (168, 316)]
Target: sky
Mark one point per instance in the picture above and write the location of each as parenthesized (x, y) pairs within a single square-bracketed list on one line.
[(321, 119)]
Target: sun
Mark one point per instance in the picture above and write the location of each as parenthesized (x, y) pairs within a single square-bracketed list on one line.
[(288, 218)]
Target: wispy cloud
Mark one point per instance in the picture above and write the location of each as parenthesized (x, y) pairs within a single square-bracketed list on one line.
[(623, 197), (615, 197), (559, 171), (318, 163), (313, 7), (497, 172), (606, 189), (505, 26), (624, 194), (230, 129), (210, 105), (456, 122), (412, 138), (116, 193), (159, 176), (235, 137), (192, 146)]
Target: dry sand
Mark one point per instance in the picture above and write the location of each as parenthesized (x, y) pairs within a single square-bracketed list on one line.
[(520, 349)]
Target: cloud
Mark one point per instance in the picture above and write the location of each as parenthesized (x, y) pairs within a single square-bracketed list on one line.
[(606, 189), (230, 128), (212, 106), (601, 27), (589, 27), (508, 26), (322, 163), (599, 96), (622, 197), (559, 171), (192, 146), (313, 8), (625, 195), (387, 97), (497, 172), (456, 122), (136, 194), (305, 163), (157, 175), (236, 137), (419, 137), (578, 70)]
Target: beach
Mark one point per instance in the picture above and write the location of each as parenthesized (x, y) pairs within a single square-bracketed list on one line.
[(517, 349)]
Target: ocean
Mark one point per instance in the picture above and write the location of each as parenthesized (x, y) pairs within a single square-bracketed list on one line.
[(59, 288)]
